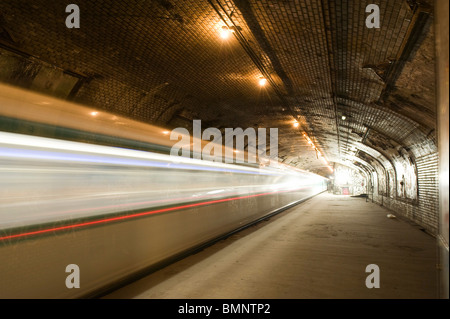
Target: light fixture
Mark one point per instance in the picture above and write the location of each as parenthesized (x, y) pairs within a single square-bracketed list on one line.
[(165, 132), (319, 154), (225, 32), (94, 113), (296, 124), (343, 117), (262, 82)]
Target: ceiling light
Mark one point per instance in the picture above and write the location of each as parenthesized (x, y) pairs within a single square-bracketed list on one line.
[(225, 33), (94, 113), (296, 124), (262, 82), (343, 117), (165, 132)]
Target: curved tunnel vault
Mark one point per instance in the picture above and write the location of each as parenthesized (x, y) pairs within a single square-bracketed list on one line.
[(356, 92)]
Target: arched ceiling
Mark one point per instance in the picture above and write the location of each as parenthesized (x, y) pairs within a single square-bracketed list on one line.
[(163, 62)]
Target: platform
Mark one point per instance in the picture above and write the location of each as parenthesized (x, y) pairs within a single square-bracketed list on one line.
[(318, 249)]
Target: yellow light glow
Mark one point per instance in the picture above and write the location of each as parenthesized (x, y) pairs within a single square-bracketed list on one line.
[(165, 132), (296, 124), (319, 154), (262, 82), (94, 113), (225, 33)]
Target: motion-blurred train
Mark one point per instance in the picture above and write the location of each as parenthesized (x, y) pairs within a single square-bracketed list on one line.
[(83, 187)]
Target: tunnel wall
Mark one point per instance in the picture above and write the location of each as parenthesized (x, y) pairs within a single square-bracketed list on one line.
[(424, 211), (441, 29), (404, 174), (405, 178)]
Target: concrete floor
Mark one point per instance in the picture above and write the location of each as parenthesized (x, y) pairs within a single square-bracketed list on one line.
[(318, 249)]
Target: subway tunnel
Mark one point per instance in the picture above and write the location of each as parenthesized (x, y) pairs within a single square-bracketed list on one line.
[(224, 149)]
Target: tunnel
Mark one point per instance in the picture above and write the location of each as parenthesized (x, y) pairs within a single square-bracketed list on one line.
[(224, 149)]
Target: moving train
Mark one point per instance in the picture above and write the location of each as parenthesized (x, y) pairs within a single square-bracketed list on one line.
[(84, 189)]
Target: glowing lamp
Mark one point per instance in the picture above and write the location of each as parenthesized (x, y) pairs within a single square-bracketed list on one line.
[(262, 82), (225, 33)]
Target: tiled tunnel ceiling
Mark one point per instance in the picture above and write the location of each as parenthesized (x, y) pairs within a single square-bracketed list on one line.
[(163, 62)]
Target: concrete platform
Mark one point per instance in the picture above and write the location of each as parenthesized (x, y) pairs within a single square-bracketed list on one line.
[(318, 249)]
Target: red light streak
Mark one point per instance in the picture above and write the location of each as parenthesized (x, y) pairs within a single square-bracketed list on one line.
[(152, 212)]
